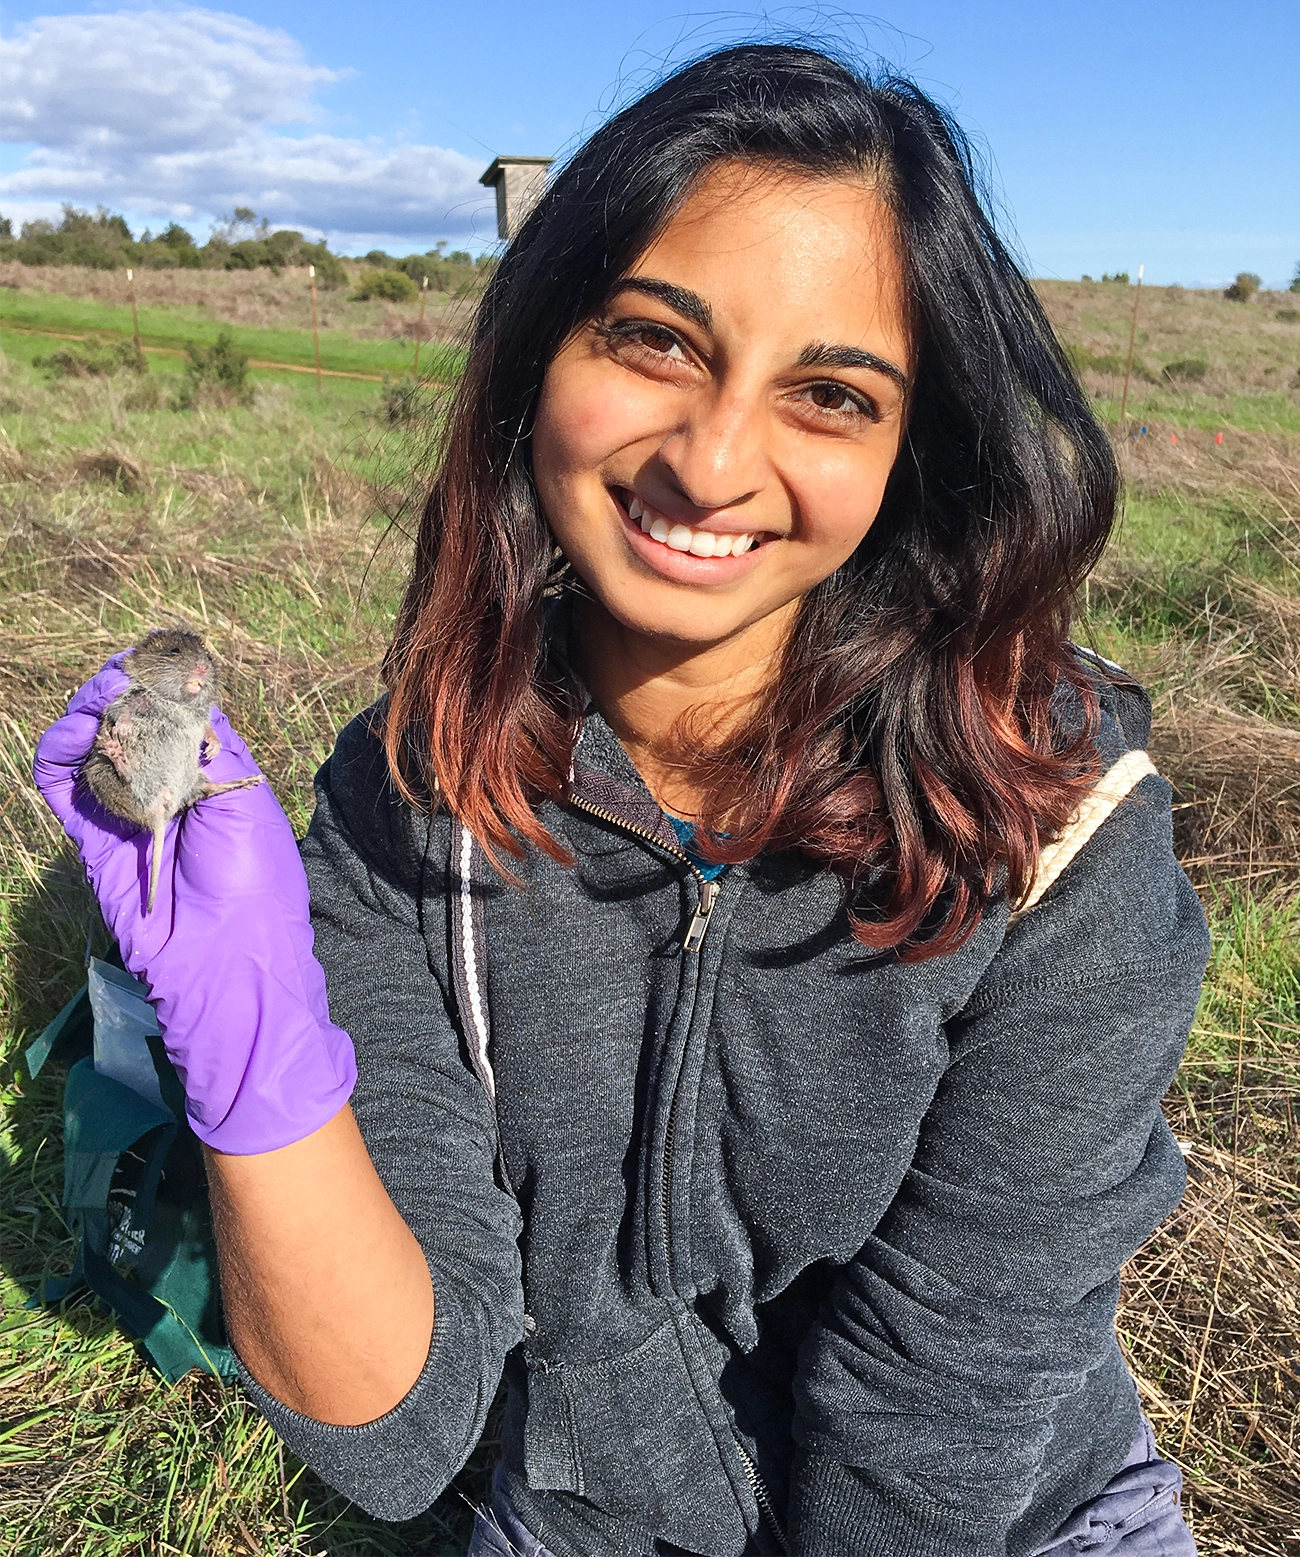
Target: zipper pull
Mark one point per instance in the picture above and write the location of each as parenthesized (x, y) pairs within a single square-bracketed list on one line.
[(700, 918)]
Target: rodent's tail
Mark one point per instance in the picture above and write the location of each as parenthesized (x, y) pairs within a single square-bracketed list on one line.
[(159, 826)]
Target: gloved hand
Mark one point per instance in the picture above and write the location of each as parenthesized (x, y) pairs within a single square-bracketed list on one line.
[(227, 950)]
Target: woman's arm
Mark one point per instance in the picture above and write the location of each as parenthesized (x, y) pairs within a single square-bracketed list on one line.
[(317, 1266), (968, 1344), (336, 1226), (392, 1217)]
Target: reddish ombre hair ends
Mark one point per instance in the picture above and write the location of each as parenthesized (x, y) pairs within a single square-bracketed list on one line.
[(931, 722)]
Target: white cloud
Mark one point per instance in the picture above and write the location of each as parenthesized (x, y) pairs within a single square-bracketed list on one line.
[(182, 114)]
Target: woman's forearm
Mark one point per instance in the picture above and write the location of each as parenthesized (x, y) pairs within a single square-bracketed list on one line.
[(326, 1291)]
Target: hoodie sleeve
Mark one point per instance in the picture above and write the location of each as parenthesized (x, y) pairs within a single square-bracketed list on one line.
[(986, 1297), (379, 912)]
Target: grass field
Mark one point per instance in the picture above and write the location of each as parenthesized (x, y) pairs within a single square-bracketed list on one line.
[(262, 523), (33, 323)]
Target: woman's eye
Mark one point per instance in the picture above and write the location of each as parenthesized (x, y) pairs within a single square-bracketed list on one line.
[(662, 342), (646, 337), (835, 398)]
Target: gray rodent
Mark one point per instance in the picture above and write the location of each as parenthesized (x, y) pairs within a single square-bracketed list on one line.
[(144, 765)]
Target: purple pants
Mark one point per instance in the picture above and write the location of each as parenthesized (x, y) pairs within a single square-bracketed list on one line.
[(1136, 1516)]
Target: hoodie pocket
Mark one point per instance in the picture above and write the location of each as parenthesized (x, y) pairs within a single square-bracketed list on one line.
[(628, 1434)]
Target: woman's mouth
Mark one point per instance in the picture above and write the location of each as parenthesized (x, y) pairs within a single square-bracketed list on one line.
[(680, 537), (685, 553)]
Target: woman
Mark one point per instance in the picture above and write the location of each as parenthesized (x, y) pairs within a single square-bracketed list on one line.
[(756, 925)]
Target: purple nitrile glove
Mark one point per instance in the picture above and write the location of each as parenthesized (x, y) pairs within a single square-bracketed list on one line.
[(227, 950)]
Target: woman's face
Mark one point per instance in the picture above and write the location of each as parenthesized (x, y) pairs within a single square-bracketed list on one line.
[(718, 441)]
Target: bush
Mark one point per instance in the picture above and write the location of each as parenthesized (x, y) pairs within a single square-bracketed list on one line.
[(93, 361), (330, 270), (401, 399), (1289, 315), (1084, 361), (215, 375), (1244, 287), (1186, 368), (1120, 276), (1295, 281), (393, 286)]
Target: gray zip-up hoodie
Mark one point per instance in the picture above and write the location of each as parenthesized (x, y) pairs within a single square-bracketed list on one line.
[(781, 1246)]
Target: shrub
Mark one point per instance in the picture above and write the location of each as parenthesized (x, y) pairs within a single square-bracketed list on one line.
[(1084, 361), (215, 375), (330, 270), (93, 361), (113, 466), (1289, 315), (1244, 287), (1186, 368), (393, 286), (6, 228), (1295, 281), (401, 400), (379, 259), (1120, 276)]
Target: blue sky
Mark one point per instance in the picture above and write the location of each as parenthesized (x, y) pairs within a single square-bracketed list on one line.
[(1115, 134)]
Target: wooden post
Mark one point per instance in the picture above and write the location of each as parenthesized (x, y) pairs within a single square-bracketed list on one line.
[(419, 328), (315, 328), (135, 318), (1132, 336)]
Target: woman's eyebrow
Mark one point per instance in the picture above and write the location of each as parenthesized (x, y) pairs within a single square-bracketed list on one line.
[(819, 355), (689, 304)]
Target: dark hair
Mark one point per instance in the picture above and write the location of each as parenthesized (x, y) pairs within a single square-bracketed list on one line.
[(913, 742)]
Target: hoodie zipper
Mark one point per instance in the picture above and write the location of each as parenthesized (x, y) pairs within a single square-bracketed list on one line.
[(691, 942), (761, 1496), (707, 890)]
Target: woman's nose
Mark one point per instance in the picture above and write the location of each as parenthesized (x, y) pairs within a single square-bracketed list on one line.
[(715, 456)]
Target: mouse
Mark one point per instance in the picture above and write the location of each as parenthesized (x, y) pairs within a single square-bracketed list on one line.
[(144, 763)]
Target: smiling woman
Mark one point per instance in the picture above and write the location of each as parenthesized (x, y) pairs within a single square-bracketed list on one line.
[(737, 311), (778, 1122)]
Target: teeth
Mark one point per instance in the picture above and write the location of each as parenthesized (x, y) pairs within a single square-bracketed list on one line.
[(680, 537)]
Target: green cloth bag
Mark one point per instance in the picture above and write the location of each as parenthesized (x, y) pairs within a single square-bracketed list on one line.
[(134, 1188)]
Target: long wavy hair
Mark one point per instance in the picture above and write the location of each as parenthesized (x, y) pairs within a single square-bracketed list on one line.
[(930, 722)]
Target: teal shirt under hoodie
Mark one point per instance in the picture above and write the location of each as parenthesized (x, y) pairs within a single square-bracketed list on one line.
[(778, 1244)]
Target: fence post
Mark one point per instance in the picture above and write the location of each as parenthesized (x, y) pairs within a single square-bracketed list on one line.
[(419, 328), (1132, 336), (315, 329)]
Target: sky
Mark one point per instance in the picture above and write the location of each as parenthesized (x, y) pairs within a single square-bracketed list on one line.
[(1112, 134)]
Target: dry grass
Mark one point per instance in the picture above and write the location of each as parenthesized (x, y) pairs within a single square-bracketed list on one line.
[(1246, 346)]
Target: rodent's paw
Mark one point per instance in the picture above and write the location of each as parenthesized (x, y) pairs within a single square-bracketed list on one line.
[(231, 759)]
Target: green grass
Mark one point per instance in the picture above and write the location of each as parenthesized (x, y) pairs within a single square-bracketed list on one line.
[(31, 321), (1267, 412)]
